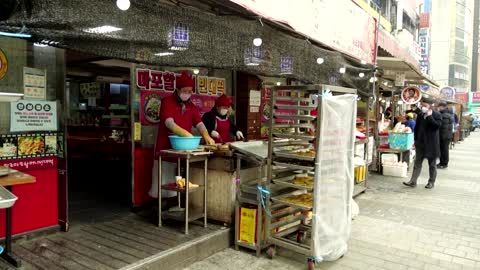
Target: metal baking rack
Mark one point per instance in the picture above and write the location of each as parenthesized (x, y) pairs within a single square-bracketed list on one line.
[(288, 224)]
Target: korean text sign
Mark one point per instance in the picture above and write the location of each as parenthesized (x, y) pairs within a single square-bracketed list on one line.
[(28, 115)]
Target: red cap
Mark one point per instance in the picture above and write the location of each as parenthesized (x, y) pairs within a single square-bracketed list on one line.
[(223, 101), (313, 113), (185, 81)]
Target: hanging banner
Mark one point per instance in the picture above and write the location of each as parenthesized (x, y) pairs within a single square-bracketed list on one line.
[(29, 115), (424, 37), (350, 30)]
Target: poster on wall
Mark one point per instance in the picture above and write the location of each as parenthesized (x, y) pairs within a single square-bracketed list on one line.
[(31, 145), (150, 102), (3, 64), (8, 146), (28, 115), (34, 83), (61, 145)]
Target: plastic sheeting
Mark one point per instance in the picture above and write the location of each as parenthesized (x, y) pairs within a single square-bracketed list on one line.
[(334, 177)]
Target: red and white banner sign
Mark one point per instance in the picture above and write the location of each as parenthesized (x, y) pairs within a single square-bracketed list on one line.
[(30, 164), (339, 24), (475, 97), (149, 79)]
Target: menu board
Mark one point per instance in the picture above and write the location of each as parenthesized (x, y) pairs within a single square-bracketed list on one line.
[(29, 115), (34, 83), (14, 146)]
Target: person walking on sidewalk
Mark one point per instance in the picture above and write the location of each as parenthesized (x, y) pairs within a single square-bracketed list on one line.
[(445, 134), (427, 144)]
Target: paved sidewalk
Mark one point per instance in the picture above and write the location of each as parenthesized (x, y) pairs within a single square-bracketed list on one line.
[(400, 227)]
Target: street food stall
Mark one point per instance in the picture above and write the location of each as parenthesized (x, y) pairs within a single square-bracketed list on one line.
[(401, 84)]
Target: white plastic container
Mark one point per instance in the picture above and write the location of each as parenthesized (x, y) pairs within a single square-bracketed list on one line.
[(389, 157), (397, 171)]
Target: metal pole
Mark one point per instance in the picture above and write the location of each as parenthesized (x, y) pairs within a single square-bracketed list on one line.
[(473, 85), (374, 86)]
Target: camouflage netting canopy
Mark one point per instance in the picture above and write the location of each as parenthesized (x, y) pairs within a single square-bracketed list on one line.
[(150, 27)]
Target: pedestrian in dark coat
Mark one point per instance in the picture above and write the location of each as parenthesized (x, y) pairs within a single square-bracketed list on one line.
[(445, 134), (427, 144)]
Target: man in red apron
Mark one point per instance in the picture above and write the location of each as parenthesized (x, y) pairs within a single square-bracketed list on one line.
[(178, 115), (218, 124)]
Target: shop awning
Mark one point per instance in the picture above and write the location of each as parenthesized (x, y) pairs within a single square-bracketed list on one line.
[(391, 66)]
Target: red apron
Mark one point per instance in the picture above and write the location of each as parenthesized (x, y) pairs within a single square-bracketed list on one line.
[(183, 117), (223, 128)]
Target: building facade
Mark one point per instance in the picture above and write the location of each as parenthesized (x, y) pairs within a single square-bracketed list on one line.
[(451, 43)]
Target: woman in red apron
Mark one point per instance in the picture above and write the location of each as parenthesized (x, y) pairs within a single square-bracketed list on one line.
[(218, 124), (178, 115)]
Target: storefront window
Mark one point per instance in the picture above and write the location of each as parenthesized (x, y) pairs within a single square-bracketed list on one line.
[(35, 71)]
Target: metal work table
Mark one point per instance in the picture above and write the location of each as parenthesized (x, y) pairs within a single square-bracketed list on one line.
[(187, 215), (14, 178)]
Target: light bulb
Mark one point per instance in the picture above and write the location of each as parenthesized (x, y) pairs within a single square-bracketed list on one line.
[(385, 83), (196, 71), (361, 75), (320, 60), (279, 83), (257, 42), (342, 70), (123, 4)]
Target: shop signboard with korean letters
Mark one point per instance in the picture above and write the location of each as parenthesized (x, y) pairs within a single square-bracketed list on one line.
[(31, 115)]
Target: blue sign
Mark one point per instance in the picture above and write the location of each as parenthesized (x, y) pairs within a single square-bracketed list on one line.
[(286, 65)]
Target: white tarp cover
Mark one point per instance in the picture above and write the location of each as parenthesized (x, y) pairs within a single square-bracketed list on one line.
[(334, 177)]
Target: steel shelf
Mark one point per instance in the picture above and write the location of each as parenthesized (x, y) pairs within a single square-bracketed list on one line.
[(293, 166), (294, 117)]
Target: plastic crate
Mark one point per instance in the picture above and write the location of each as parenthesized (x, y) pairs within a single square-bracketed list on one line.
[(400, 141), (395, 171)]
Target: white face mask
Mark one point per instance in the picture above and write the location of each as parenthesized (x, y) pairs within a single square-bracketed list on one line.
[(424, 109), (223, 112), (185, 97)]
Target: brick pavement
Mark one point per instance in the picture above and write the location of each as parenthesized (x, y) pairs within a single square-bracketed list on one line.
[(399, 227)]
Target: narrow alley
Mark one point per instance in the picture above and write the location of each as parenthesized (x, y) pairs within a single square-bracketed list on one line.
[(400, 227)]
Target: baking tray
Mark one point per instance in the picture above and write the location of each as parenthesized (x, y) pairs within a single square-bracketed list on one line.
[(291, 155), (298, 136), (288, 182), (295, 107), (279, 199), (7, 199), (301, 125), (258, 149), (294, 117), (294, 166)]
